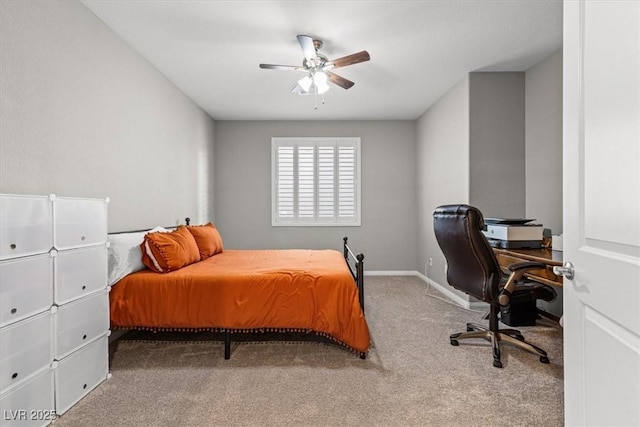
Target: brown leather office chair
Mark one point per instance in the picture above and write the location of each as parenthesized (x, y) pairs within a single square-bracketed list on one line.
[(474, 270)]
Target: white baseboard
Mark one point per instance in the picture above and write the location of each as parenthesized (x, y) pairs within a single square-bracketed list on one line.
[(458, 299), (390, 273), (446, 290)]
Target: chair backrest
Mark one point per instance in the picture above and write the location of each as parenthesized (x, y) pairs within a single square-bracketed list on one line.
[(472, 266)]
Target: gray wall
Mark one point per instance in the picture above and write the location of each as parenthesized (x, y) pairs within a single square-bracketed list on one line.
[(497, 144), (442, 166), (544, 150), (544, 142), (82, 114), (243, 190)]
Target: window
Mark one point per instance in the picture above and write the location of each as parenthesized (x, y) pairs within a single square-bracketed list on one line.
[(315, 181)]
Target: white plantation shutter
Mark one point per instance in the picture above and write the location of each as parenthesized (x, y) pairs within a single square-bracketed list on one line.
[(315, 181), (285, 182), (346, 181), (306, 182), (326, 182)]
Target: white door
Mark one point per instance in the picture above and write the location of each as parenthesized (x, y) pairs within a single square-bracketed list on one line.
[(601, 138)]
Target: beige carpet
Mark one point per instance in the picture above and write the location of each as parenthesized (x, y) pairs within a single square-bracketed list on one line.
[(412, 377)]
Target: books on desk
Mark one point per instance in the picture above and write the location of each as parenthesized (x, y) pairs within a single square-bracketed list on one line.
[(513, 233)]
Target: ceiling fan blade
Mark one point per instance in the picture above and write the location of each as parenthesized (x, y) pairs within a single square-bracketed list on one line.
[(350, 59), (281, 67), (338, 80), (306, 43)]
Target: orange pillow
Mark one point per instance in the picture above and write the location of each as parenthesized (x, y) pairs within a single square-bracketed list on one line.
[(207, 238), (165, 252)]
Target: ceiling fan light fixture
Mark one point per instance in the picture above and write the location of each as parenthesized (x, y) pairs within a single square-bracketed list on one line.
[(322, 87), (320, 80), (305, 83), (320, 77)]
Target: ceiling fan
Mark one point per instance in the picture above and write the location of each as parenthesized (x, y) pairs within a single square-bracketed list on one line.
[(318, 67)]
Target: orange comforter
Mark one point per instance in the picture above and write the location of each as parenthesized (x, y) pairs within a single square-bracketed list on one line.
[(303, 290)]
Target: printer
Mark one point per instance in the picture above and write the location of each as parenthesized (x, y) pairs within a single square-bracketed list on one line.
[(513, 233)]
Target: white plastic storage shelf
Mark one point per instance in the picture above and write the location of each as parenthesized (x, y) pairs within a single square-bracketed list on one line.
[(54, 304)]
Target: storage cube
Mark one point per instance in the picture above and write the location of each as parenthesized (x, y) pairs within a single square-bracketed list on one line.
[(25, 225), (79, 322), (81, 372), (26, 287), (25, 348), (31, 404), (79, 272), (79, 222)]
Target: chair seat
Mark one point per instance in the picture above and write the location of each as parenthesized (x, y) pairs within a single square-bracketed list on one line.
[(531, 291)]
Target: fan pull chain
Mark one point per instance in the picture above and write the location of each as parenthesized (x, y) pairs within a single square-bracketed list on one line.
[(315, 98)]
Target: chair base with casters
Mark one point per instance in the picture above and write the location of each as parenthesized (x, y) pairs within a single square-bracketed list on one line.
[(495, 335)]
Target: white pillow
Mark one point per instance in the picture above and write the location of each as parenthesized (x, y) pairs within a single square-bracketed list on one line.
[(125, 256)]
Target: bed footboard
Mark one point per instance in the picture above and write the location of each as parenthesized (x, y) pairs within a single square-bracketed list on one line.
[(358, 274)]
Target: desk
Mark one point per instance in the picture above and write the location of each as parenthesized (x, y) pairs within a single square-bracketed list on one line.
[(547, 256)]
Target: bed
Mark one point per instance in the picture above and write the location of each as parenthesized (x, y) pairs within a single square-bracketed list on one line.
[(318, 292)]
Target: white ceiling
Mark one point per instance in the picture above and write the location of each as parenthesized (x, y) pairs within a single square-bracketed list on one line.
[(419, 49)]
